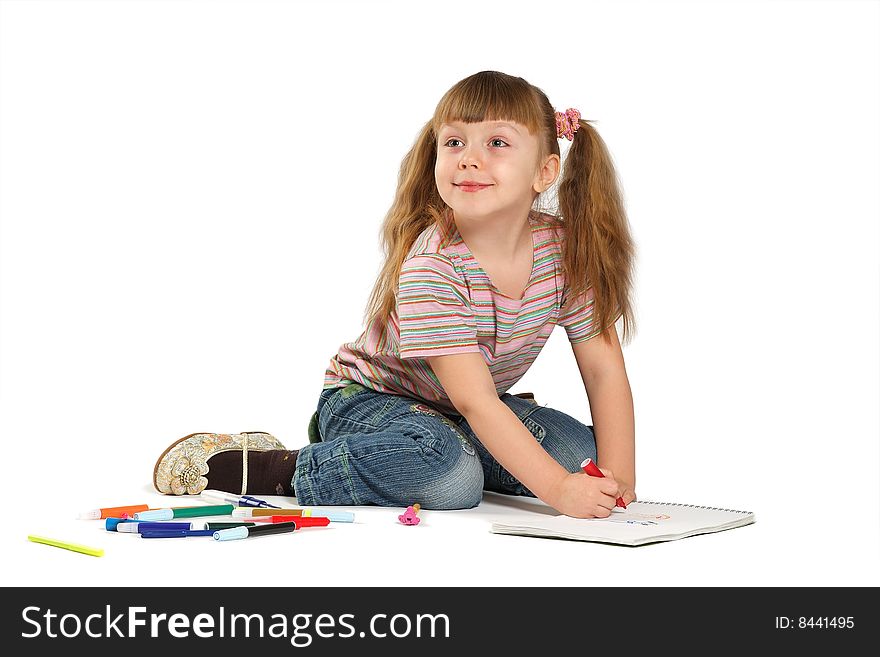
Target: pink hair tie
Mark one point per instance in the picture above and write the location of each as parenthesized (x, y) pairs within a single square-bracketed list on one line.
[(567, 123)]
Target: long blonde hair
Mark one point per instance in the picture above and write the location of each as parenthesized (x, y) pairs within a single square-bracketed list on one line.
[(597, 252)]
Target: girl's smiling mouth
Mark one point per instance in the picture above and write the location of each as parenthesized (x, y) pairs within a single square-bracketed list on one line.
[(471, 187)]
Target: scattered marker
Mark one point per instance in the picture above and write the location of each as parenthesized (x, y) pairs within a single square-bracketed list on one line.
[(84, 549)]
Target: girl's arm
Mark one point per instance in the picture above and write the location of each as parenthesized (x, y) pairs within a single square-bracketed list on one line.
[(603, 372), (469, 385)]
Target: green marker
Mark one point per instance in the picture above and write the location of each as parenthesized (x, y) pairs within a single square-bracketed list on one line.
[(185, 512)]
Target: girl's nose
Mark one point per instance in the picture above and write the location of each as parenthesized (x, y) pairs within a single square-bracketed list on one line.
[(468, 159), (470, 155)]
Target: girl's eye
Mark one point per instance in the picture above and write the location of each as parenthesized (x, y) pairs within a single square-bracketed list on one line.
[(459, 140)]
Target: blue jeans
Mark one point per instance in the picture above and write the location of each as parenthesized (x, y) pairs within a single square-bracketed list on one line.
[(383, 449)]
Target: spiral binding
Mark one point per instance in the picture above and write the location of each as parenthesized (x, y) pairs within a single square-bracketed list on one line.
[(695, 506)]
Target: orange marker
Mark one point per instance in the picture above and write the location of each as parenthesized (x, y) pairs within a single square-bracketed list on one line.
[(113, 512), (591, 469)]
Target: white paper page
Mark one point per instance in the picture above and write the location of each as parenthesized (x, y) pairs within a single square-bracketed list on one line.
[(640, 522)]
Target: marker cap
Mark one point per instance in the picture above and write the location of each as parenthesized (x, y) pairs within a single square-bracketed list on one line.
[(210, 494), (335, 516), (111, 524), (155, 514), (231, 534)]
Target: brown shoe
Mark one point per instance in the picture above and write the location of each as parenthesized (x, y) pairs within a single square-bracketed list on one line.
[(181, 468)]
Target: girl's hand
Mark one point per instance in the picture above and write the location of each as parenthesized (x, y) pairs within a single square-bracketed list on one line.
[(626, 492), (581, 496)]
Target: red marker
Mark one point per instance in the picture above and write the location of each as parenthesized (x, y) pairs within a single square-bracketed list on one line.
[(591, 469), (311, 521), (299, 521)]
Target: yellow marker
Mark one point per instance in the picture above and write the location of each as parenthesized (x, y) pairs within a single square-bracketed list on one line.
[(85, 549)]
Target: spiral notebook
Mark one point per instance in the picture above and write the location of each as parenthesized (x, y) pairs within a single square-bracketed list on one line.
[(640, 523)]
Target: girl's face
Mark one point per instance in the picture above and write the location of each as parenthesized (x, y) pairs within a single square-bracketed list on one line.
[(502, 156)]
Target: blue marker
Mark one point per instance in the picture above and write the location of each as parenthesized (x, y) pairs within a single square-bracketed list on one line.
[(141, 527), (240, 500), (176, 533)]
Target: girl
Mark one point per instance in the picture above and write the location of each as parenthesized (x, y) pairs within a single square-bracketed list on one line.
[(416, 409)]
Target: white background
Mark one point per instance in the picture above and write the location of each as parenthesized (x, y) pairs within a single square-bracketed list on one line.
[(191, 195)]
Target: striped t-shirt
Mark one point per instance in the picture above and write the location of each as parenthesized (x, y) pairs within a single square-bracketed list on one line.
[(446, 304)]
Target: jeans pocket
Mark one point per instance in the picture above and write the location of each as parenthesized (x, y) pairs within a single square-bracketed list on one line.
[(522, 407), (360, 406), (343, 393)]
